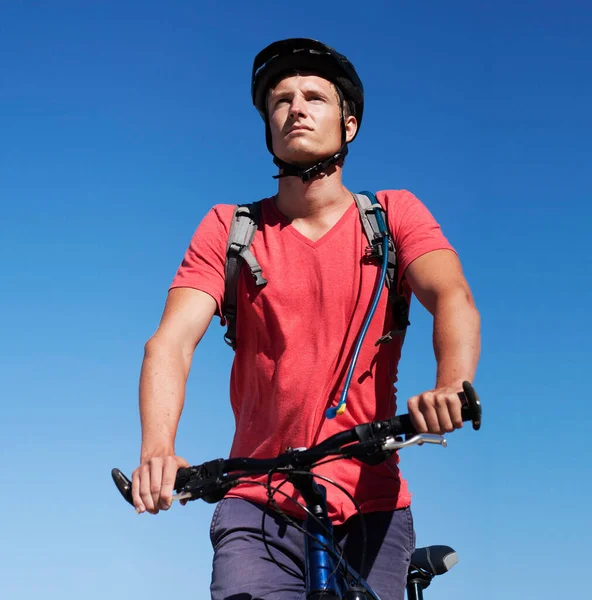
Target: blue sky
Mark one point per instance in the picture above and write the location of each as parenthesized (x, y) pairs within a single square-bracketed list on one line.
[(121, 123)]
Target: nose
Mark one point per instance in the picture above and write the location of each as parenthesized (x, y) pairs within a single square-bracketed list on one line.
[(298, 107)]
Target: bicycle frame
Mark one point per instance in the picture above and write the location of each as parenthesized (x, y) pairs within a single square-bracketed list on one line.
[(323, 580)]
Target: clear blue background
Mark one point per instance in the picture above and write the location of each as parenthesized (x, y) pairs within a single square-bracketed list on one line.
[(121, 123)]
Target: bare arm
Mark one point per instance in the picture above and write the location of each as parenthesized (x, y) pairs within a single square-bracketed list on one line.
[(167, 361), (436, 278)]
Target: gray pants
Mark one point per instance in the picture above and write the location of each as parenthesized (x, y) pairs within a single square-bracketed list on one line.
[(244, 571)]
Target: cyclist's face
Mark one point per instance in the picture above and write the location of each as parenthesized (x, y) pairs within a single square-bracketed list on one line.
[(305, 119)]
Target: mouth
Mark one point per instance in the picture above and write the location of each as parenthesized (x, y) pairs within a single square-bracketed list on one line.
[(298, 128)]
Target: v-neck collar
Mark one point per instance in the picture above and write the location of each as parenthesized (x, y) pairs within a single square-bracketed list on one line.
[(287, 224)]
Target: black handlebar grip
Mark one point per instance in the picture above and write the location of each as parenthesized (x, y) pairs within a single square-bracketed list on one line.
[(124, 485), (183, 475), (402, 425), (472, 407)]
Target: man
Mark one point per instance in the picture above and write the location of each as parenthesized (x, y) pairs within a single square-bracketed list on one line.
[(295, 335)]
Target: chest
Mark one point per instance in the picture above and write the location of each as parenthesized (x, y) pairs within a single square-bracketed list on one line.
[(331, 273)]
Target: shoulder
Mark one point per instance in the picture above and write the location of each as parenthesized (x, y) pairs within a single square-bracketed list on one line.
[(415, 230), (219, 216), (216, 222), (404, 209), (223, 213), (397, 199)]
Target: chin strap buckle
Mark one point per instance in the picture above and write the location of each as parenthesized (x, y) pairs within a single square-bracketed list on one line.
[(308, 173)]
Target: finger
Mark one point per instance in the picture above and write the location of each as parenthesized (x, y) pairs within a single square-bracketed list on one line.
[(168, 483), (156, 467), (145, 494), (455, 410), (428, 410), (415, 415), (441, 407), (140, 508)]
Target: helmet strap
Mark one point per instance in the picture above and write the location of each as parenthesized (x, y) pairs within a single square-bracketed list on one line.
[(308, 173)]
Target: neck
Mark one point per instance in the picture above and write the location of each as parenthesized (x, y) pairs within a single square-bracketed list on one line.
[(314, 199)]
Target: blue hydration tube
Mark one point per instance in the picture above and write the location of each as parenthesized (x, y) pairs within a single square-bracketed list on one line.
[(340, 408)]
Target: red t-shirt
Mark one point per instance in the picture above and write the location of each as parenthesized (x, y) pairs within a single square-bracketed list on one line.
[(295, 337)]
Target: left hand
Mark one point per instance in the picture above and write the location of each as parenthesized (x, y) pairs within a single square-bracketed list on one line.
[(436, 411)]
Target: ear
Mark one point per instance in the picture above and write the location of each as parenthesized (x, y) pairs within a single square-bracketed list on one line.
[(351, 127)]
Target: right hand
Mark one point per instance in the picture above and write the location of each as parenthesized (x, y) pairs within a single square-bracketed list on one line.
[(153, 483)]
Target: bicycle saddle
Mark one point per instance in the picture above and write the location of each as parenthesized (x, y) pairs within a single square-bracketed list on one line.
[(436, 560)]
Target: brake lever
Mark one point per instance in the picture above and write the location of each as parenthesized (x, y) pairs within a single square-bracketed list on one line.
[(392, 443)]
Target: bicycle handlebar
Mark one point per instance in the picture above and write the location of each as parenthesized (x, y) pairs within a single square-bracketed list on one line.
[(213, 477)]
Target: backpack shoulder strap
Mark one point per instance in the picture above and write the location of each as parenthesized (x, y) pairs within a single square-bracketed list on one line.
[(368, 206), (245, 221)]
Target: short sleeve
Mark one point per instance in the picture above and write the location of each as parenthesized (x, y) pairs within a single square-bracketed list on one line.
[(415, 231), (202, 267)]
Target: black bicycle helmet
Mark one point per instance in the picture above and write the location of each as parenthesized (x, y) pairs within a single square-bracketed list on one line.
[(301, 54)]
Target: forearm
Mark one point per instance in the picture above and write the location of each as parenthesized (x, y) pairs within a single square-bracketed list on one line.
[(457, 339), (162, 394)]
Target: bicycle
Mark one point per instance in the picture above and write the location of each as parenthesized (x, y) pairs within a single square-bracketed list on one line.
[(327, 575)]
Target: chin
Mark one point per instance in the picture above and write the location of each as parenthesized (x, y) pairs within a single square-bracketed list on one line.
[(302, 154)]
